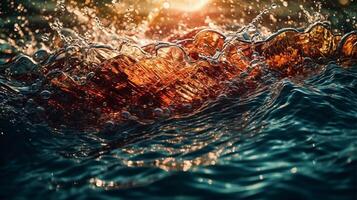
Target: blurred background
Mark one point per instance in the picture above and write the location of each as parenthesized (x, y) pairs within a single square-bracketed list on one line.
[(24, 22)]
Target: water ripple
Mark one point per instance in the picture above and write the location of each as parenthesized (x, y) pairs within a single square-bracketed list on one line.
[(268, 144)]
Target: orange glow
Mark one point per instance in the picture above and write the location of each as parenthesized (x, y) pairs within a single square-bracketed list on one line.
[(185, 5)]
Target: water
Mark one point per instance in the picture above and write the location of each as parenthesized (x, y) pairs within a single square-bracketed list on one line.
[(290, 138), (293, 140)]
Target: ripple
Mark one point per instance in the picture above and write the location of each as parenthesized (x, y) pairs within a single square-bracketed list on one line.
[(267, 144)]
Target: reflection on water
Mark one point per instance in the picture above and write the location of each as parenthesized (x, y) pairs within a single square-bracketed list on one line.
[(290, 134)]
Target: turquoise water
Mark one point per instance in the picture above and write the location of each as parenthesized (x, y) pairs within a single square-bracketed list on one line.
[(295, 139)]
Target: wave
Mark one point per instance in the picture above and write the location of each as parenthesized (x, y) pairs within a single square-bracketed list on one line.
[(91, 85)]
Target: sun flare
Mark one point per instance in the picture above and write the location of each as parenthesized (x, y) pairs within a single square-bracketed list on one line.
[(186, 5)]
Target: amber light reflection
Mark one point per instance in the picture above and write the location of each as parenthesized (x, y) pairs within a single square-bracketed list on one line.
[(185, 5)]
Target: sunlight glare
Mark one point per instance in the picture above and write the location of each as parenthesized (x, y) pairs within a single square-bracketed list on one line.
[(186, 5)]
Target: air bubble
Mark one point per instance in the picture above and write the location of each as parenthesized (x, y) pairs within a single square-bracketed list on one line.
[(90, 75), (35, 87), (126, 115), (109, 125), (158, 112), (40, 55), (46, 94)]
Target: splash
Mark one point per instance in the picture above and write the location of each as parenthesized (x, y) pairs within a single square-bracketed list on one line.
[(83, 83), (170, 79)]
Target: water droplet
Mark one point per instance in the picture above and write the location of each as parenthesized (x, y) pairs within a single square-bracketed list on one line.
[(90, 75), (40, 55), (308, 60), (126, 115), (109, 125), (293, 170), (22, 65), (40, 109), (255, 56), (35, 87), (166, 5), (252, 28), (46, 94), (246, 36), (167, 111), (187, 106), (45, 37), (30, 102), (71, 50), (222, 96), (158, 112), (243, 75)]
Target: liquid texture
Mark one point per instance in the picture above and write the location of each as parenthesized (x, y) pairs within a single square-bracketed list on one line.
[(180, 76), (205, 114)]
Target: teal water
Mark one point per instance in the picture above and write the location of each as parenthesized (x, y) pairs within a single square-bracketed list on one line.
[(295, 139)]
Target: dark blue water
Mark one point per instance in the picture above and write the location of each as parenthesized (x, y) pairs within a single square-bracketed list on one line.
[(296, 139)]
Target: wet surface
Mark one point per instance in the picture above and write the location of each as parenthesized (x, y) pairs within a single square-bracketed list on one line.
[(277, 121)]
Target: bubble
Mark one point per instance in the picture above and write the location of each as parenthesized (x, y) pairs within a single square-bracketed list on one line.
[(158, 112), (274, 6), (46, 94), (307, 60), (255, 56), (83, 80), (35, 87), (126, 115), (30, 103), (166, 5), (61, 5), (246, 36), (243, 75), (222, 96), (344, 2), (40, 109), (71, 50), (109, 125), (294, 170), (187, 106), (40, 55), (252, 28), (45, 38), (167, 111), (22, 65), (63, 8), (90, 75)]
